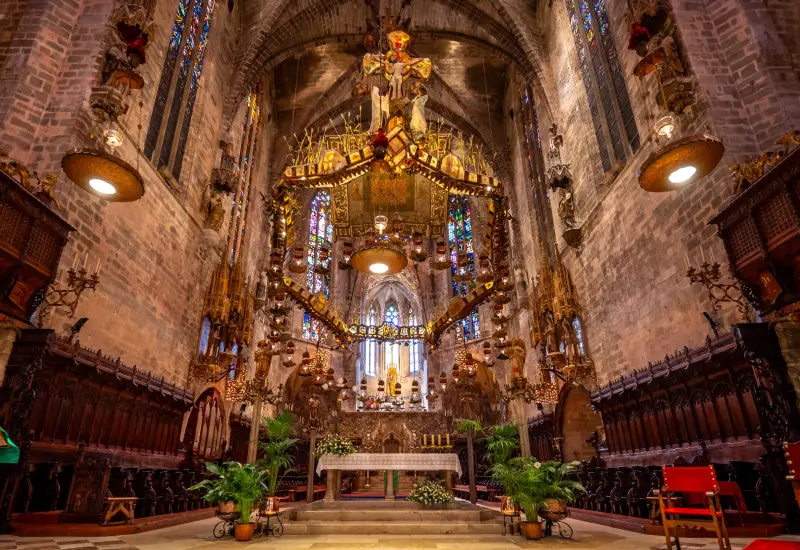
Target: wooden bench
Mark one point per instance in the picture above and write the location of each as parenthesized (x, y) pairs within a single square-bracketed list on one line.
[(298, 493), (120, 505), (462, 491)]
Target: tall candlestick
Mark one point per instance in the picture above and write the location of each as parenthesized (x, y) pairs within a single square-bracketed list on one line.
[(686, 259), (424, 440), (447, 437), (97, 268), (712, 257), (85, 259), (440, 440), (703, 256)]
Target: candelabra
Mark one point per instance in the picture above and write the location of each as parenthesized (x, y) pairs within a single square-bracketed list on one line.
[(710, 276), (518, 388), (68, 296)]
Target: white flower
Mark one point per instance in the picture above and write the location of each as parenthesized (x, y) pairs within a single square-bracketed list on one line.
[(537, 465)]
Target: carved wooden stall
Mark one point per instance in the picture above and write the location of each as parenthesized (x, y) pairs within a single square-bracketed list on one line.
[(89, 428), (540, 433), (727, 403)]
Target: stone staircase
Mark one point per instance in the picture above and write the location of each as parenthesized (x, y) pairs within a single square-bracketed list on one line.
[(380, 517)]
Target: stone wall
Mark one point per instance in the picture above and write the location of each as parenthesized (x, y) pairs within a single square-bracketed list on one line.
[(156, 256), (630, 272)]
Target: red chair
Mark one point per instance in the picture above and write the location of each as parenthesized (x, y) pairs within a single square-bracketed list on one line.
[(792, 451), (701, 479)]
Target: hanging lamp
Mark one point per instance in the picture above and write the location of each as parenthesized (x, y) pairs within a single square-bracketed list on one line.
[(103, 175)]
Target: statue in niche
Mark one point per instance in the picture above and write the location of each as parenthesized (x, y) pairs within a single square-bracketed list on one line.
[(550, 342), (570, 340), (213, 208), (566, 208), (558, 174), (517, 353)]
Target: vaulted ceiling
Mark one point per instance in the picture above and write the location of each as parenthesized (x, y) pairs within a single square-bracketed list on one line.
[(312, 50)]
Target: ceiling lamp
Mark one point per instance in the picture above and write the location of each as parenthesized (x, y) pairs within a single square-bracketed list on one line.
[(103, 175), (681, 162), (379, 259)]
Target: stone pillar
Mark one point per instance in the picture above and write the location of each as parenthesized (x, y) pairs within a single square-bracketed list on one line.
[(519, 418), (389, 485), (448, 480), (473, 489), (337, 492), (255, 424), (312, 443), (330, 485)]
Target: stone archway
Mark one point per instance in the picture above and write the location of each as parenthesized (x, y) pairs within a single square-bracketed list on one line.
[(576, 421)]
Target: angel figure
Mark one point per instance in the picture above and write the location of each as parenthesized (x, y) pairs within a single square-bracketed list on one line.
[(418, 123), (380, 109)]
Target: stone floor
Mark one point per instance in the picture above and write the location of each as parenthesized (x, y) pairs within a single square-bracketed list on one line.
[(197, 536)]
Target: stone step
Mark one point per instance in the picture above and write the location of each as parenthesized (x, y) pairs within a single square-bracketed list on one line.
[(418, 516), (390, 528)]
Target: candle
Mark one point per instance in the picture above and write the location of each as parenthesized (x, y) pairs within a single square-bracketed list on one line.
[(703, 256), (424, 440), (433, 440), (97, 268), (447, 437), (440, 440), (86, 259), (686, 259), (712, 257)]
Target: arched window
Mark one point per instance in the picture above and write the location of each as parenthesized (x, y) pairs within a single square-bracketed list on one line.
[(241, 197), (391, 316), (320, 235), (172, 113), (370, 345), (205, 332), (459, 228), (414, 348), (610, 106), (577, 326)]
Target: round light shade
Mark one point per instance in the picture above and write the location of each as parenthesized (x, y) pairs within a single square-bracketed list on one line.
[(379, 260), (103, 175), (680, 163)]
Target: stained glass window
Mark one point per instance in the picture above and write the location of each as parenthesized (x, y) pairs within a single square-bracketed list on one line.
[(320, 235), (577, 326), (459, 230), (177, 89), (609, 104), (532, 139), (235, 362), (391, 316), (371, 346), (205, 332), (414, 348), (241, 196)]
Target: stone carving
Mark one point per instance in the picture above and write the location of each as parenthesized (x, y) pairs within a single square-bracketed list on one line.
[(748, 172), (558, 174)]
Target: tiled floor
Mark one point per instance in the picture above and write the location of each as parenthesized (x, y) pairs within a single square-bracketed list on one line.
[(197, 536)]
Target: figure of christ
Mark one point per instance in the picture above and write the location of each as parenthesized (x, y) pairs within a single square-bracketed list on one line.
[(396, 70)]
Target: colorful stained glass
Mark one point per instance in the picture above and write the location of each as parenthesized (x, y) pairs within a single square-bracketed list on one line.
[(578, 328), (240, 202), (186, 51), (604, 81), (320, 234), (392, 316), (205, 332), (459, 229)]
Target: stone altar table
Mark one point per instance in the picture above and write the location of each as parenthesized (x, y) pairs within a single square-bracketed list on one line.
[(389, 462)]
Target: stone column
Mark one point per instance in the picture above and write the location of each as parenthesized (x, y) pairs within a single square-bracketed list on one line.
[(519, 418), (389, 485), (255, 424), (330, 485), (312, 443), (337, 492), (473, 489)]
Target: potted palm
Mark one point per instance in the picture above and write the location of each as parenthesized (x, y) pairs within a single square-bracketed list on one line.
[(559, 489), (243, 484), (277, 443), (218, 490)]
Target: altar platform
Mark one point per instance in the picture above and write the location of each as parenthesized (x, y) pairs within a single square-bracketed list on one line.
[(390, 517)]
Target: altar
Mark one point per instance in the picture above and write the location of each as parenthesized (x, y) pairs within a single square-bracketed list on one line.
[(388, 462)]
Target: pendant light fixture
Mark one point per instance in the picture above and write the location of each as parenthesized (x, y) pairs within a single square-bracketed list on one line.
[(103, 175), (680, 163)]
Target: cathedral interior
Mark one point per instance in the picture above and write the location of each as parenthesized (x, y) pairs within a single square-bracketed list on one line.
[(412, 231)]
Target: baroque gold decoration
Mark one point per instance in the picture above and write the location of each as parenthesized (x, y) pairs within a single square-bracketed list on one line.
[(748, 172), (69, 295), (709, 275)]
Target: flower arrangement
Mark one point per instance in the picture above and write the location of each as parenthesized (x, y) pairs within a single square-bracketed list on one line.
[(334, 444), (429, 492)]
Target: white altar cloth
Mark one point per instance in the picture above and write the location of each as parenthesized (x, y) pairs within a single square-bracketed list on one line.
[(403, 462)]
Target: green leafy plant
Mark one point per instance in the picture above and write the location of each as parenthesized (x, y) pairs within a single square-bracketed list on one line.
[(430, 492), (243, 484), (277, 444), (333, 444), (502, 441), (528, 482)]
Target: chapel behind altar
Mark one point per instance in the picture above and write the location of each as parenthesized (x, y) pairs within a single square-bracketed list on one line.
[(400, 272)]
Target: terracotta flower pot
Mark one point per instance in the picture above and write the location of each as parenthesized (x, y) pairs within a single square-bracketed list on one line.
[(226, 507), (244, 531), (531, 529)]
